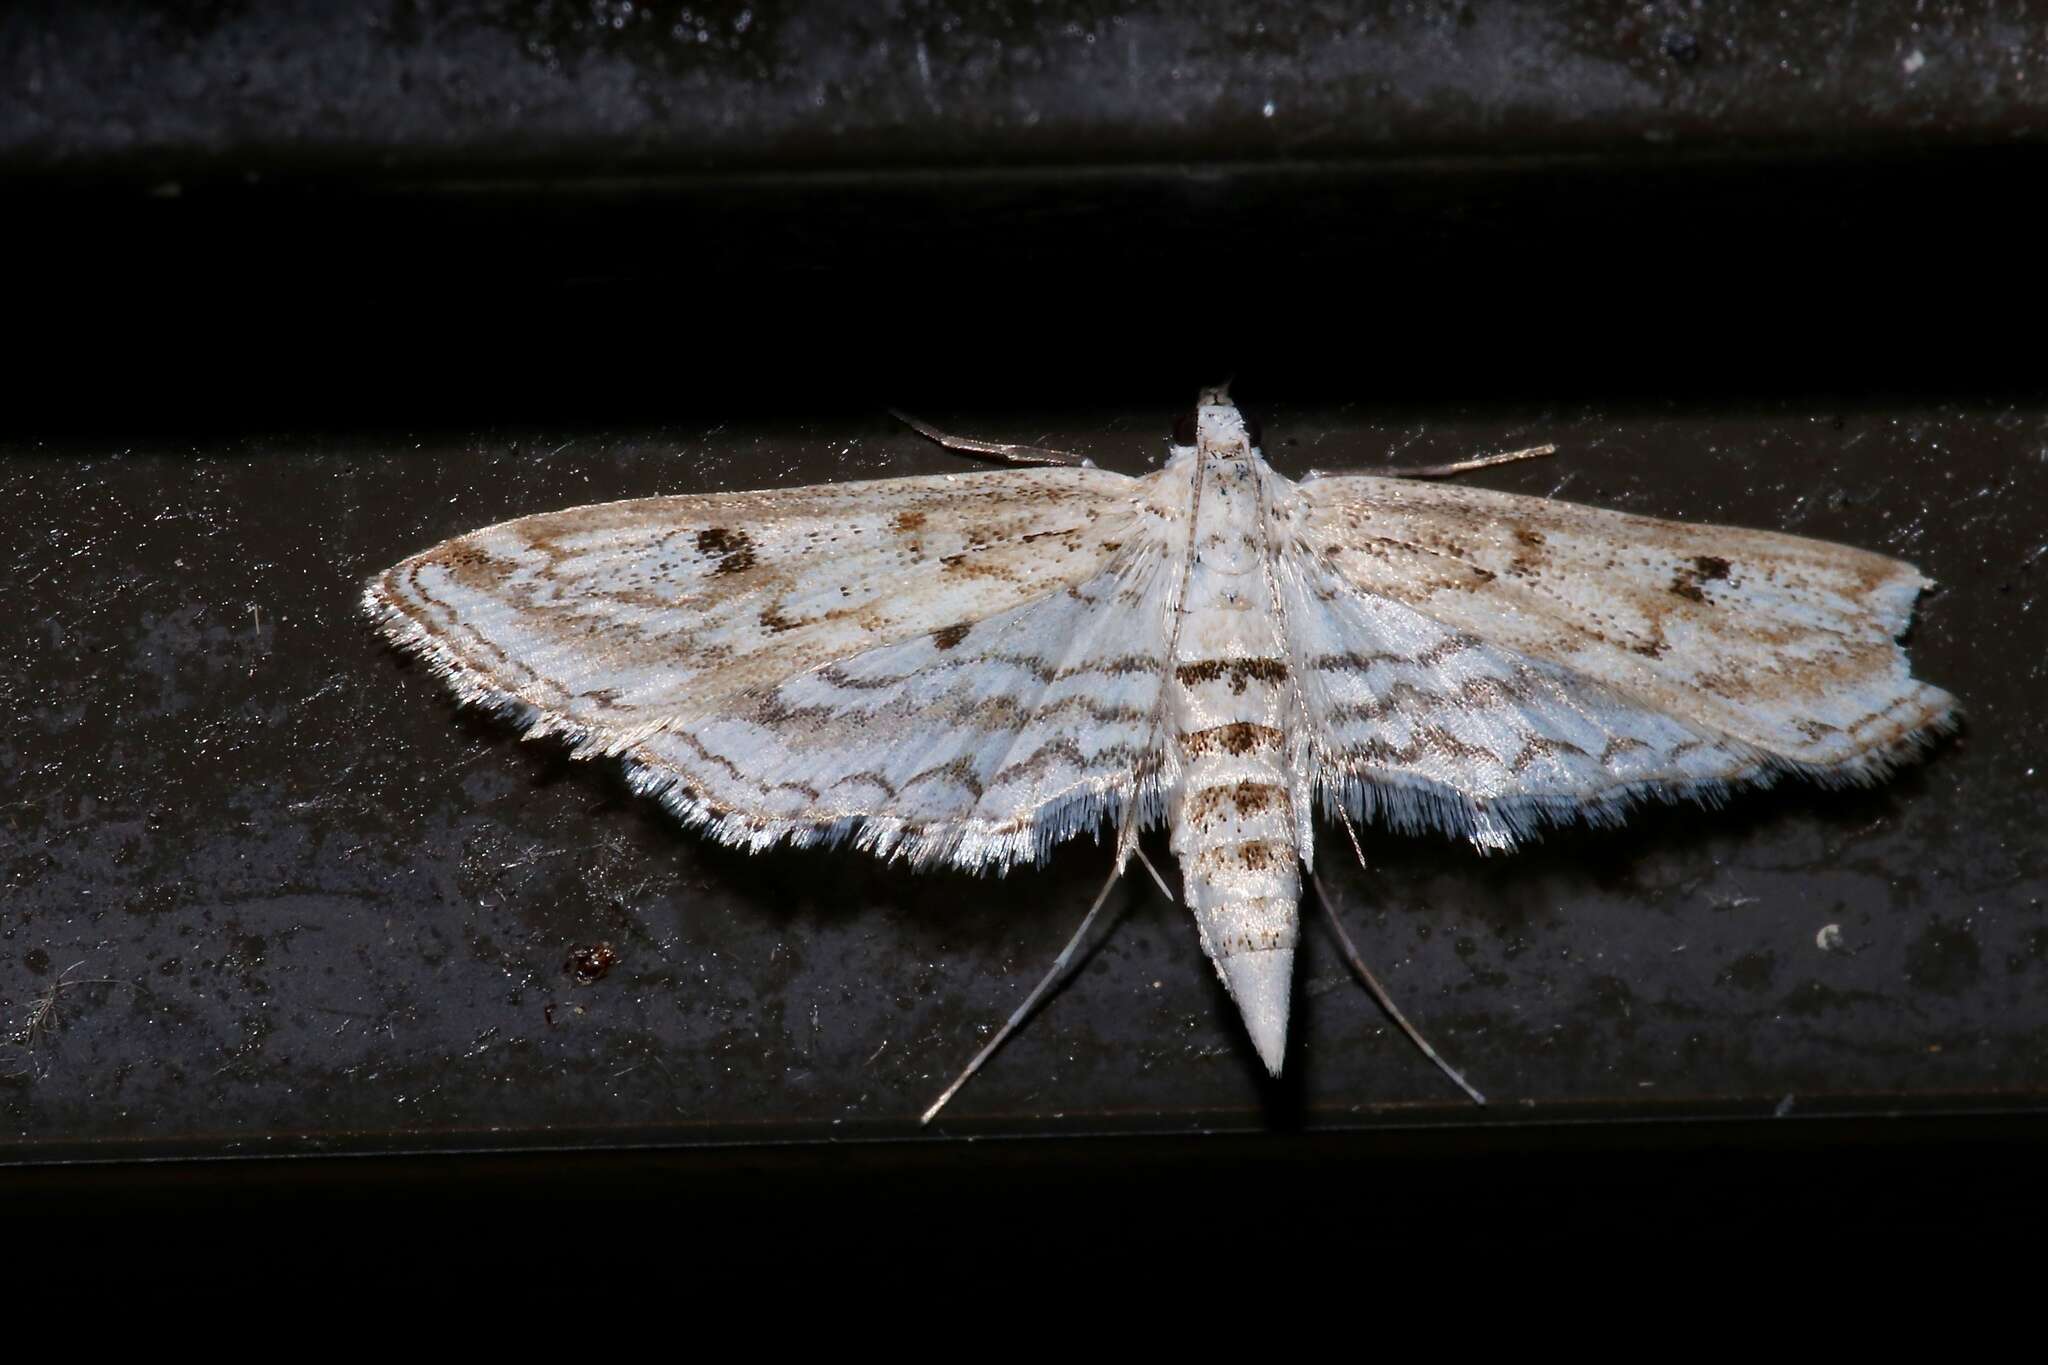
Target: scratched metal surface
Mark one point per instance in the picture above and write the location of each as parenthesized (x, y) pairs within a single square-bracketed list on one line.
[(426, 86), (288, 898)]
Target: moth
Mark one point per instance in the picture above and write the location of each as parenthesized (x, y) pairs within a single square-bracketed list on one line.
[(966, 669)]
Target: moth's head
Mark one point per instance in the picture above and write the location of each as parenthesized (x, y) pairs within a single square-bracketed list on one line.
[(1216, 425)]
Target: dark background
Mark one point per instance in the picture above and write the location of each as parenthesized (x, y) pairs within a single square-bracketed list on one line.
[(297, 292)]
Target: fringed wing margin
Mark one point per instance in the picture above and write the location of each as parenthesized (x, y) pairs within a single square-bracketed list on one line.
[(1486, 664), (943, 669)]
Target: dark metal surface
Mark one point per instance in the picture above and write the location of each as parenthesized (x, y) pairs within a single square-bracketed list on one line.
[(527, 86), (294, 300)]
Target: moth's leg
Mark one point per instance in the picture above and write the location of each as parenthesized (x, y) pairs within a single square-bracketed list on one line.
[(1038, 993), (1371, 982), (1059, 969), (1000, 450), (1442, 471)]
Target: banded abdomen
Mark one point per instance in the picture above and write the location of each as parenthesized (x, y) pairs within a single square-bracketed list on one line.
[(1230, 704)]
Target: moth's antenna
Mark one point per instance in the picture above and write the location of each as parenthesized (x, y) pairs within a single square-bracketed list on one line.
[(1444, 471), (1038, 993), (1372, 985), (1001, 450)]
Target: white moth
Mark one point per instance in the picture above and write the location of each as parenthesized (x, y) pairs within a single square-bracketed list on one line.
[(967, 669)]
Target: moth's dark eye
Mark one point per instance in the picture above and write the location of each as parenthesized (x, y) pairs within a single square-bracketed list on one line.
[(1184, 429), (1252, 431)]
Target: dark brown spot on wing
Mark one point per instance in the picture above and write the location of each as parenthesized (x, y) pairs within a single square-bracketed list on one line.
[(906, 522), (950, 636), (968, 566), (457, 554), (734, 550), (468, 564), (1703, 569)]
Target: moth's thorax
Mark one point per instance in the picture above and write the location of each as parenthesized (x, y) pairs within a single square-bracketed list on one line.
[(1220, 429)]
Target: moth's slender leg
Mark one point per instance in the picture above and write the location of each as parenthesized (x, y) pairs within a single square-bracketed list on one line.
[(1372, 985), (1443, 471), (1000, 450), (1385, 1001), (1038, 993)]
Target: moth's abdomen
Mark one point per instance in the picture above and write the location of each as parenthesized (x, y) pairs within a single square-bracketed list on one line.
[(1233, 830), (1230, 709)]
